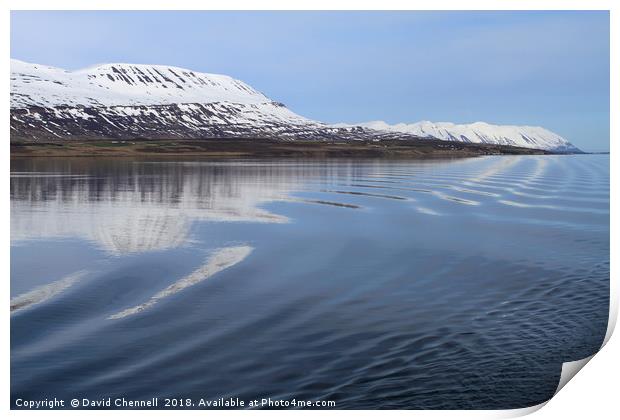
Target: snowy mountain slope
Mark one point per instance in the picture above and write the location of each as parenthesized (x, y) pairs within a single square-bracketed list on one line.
[(480, 132), (123, 84), (125, 101), (174, 121)]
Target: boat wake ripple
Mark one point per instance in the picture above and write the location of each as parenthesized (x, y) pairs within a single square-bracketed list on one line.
[(221, 259), (45, 292)]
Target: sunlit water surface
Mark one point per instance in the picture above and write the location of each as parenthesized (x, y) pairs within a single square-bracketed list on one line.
[(375, 284)]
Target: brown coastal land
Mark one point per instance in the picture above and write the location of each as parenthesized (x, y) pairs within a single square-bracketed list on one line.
[(262, 148)]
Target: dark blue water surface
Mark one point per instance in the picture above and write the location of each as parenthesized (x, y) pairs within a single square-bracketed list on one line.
[(374, 284)]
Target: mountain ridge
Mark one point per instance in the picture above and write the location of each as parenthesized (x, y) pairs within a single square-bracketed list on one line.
[(123, 84), (125, 101), (479, 132)]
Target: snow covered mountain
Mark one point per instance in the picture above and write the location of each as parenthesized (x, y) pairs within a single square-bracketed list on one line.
[(123, 84), (129, 101), (480, 132)]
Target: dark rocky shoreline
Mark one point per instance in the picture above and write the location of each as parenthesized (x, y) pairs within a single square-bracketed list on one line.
[(263, 148)]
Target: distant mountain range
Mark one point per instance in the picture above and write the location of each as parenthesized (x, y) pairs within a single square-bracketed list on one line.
[(479, 132), (129, 101)]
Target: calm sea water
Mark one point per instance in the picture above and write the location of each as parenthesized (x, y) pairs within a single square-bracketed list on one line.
[(374, 284)]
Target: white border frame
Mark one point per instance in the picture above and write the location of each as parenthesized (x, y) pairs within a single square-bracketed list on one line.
[(574, 402)]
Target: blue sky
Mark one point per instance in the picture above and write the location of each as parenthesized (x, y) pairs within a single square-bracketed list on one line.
[(535, 68)]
